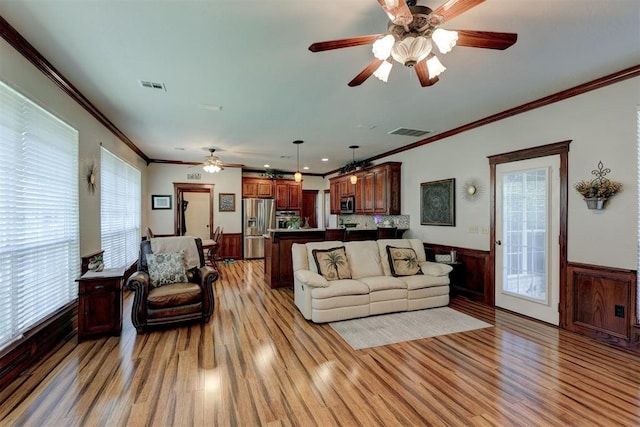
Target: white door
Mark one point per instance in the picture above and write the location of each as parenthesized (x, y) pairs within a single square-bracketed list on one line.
[(196, 214), (527, 230)]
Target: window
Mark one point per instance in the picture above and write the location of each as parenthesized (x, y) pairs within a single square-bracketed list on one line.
[(39, 223), (119, 211)]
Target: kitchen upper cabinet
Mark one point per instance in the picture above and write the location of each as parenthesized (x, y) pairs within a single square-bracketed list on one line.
[(259, 188), (288, 195), (376, 192)]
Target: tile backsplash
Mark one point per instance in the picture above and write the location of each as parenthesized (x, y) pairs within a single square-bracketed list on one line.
[(372, 221)]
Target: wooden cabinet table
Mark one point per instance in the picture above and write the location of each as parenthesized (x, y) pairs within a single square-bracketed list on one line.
[(100, 303)]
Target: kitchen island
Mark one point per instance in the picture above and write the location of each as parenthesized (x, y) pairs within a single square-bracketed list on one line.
[(278, 266)]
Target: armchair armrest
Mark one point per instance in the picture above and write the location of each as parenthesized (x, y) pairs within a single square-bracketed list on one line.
[(208, 276), (435, 268), (138, 283), (311, 279)]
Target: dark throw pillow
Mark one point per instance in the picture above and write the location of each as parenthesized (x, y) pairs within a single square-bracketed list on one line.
[(403, 261), (332, 263)]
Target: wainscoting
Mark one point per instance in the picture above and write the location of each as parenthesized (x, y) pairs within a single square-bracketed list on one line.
[(231, 246), (470, 277), (601, 303)]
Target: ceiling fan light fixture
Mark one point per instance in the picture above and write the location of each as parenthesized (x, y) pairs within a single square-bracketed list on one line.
[(212, 168), (383, 71), (435, 67), (382, 47), (444, 39), (411, 50), (212, 163)]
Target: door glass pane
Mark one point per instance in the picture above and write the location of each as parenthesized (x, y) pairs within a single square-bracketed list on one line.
[(524, 205)]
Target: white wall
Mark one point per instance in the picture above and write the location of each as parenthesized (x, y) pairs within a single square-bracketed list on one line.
[(602, 126), (19, 74), (161, 178)]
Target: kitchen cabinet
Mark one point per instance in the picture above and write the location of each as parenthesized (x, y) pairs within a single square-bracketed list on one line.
[(100, 303), (257, 188), (376, 192), (288, 195)]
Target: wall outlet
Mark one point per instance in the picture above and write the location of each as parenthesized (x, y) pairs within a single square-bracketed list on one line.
[(619, 311), (473, 229)]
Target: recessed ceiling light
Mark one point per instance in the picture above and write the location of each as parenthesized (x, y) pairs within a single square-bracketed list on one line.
[(267, 166), (325, 160), (305, 168)]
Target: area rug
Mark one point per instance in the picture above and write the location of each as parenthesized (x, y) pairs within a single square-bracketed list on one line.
[(392, 328)]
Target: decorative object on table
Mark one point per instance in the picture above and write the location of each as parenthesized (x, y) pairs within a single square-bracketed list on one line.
[(445, 258), (306, 222), (437, 202), (599, 190), (350, 224), (160, 201), (293, 223), (96, 264), (92, 177), (227, 202)]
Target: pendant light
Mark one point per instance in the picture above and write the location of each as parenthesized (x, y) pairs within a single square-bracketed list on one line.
[(353, 178), (298, 176)]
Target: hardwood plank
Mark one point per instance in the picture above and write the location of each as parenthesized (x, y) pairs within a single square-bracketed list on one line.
[(258, 362)]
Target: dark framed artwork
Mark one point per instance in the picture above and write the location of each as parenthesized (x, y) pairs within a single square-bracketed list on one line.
[(160, 201), (437, 202), (226, 202)]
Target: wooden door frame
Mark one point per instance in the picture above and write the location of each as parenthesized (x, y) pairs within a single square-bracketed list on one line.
[(186, 187), (558, 148)]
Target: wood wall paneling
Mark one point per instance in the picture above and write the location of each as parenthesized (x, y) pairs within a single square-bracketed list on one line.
[(602, 302), (231, 246), (470, 277)]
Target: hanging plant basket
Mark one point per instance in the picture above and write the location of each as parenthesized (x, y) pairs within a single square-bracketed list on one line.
[(597, 191), (595, 202)]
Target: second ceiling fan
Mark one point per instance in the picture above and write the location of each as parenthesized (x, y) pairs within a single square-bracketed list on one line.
[(410, 35)]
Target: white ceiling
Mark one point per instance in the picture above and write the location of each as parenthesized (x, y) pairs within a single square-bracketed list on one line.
[(251, 58)]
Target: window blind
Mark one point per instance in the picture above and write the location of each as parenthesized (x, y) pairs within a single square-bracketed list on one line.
[(39, 221), (119, 210)]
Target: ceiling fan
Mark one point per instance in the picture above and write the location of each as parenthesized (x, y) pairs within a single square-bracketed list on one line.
[(410, 35)]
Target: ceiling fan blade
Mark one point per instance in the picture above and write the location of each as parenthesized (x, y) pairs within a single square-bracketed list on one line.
[(366, 73), (453, 8), (486, 39), (397, 11), (342, 43), (423, 74)]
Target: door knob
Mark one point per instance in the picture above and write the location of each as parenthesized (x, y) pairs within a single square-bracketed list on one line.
[(498, 242)]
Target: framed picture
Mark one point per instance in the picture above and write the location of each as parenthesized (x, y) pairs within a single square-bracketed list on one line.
[(226, 202), (437, 202), (160, 201)]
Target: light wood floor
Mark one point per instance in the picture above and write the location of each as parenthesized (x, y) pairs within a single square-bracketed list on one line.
[(258, 362)]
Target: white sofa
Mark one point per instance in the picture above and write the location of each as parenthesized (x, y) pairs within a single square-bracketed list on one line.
[(372, 288)]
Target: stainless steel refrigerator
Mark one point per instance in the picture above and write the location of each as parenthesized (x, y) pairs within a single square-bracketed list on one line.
[(258, 215)]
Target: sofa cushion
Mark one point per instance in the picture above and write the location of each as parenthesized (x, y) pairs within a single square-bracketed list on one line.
[(435, 268), (424, 281), (381, 283), (415, 244), (310, 246), (166, 268), (338, 288), (403, 261), (332, 263), (174, 295), (364, 259)]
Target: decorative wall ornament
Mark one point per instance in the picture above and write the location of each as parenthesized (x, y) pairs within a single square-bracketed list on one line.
[(92, 177), (160, 201), (226, 202), (437, 202), (471, 190), (597, 191)]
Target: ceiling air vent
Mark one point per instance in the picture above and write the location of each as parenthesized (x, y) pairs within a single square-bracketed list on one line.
[(409, 132), (153, 85)]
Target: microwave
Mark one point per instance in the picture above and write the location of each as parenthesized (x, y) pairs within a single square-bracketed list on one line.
[(347, 205)]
